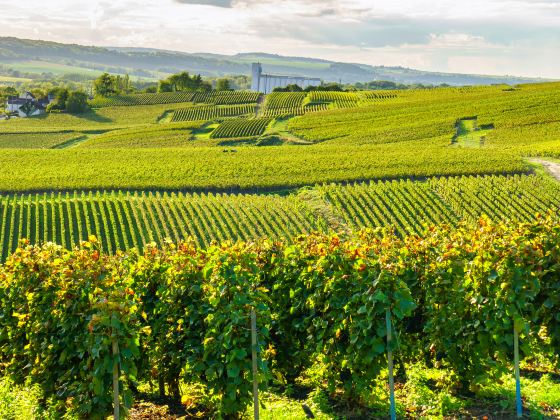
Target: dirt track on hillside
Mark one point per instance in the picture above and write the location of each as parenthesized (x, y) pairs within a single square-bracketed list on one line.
[(552, 167)]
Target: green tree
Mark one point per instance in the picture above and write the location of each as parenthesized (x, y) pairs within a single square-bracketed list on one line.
[(184, 82), (105, 85), (6, 91), (77, 102), (223, 84), (289, 88), (165, 86), (60, 97)]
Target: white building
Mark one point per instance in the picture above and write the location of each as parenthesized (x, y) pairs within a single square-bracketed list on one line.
[(266, 83), (14, 104)]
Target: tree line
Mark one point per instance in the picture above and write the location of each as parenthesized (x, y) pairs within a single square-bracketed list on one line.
[(111, 85), (373, 85)]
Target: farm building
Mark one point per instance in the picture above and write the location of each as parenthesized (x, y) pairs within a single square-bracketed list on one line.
[(26, 105), (266, 83)]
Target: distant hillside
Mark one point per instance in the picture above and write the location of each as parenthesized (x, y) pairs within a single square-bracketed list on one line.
[(35, 56)]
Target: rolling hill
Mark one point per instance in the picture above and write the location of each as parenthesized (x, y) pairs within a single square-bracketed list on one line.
[(43, 56)]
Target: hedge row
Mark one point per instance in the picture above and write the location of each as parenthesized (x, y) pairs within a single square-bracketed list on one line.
[(181, 313)]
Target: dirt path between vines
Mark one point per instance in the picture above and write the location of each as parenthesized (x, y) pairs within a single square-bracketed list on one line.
[(552, 167)]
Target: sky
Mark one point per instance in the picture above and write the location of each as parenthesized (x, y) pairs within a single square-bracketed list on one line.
[(513, 37)]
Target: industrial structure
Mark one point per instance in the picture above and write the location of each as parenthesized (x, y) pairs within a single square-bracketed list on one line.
[(266, 83)]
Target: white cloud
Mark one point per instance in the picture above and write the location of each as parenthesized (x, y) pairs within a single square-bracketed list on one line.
[(508, 36)]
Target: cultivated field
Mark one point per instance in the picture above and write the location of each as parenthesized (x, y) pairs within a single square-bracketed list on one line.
[(426, 206)]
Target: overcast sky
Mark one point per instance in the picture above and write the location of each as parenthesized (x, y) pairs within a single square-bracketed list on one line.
[(520, 37)]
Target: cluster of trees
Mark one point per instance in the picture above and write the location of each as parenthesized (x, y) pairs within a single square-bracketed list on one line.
[(389, 85), (373, 85), (184, 82), (108, 85), (239, 82), (6, 91), (74, 102)]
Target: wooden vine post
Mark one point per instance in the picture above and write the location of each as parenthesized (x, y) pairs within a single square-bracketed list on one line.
[(255, 367), (518, 402), (390, 363), (116, 402)]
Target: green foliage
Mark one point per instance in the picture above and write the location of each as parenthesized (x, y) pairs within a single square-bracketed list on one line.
[(60, 97), (164, 86), (407, 206), (108, 85), (340, 99), (6, 91), (181, 313), (388, 135), (353, 289), (232, 290), (124, 220), (77, 102), (105, 85), (289, 88), (19, 402), (223, 84), (142, 99), (61, 311), (281, 103), (164, 135), (183, 82), (170, 285)]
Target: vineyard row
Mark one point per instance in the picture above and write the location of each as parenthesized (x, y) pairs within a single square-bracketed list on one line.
[(125, 220)]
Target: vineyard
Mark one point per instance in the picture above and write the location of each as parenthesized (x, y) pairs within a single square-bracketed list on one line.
[(226, 98), (379, 95), (249, 169), (461, 300), (339, 99), (127, 220), (460, 251), (142, 99), (207, 113), (341, 145), (152, 136), (36, 140), (240, 128), (283, 103), (408, 206), (216, 98)]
